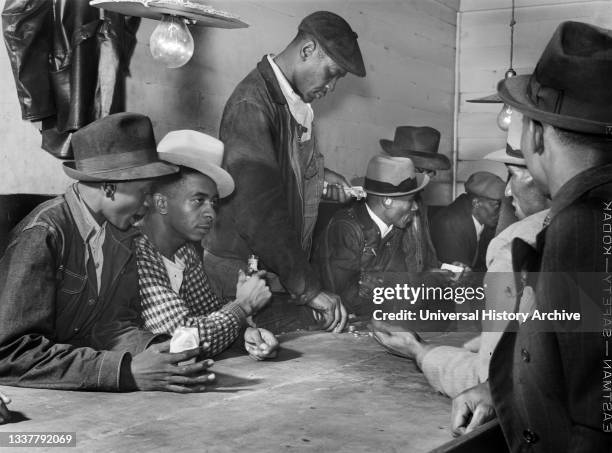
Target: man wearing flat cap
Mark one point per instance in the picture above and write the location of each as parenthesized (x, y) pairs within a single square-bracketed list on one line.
[(68, 281), (267, 128), (420, 144), (462, 231), (546, 378), (365, 240)]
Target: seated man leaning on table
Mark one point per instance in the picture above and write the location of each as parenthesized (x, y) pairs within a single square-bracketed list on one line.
[(68, 279), (174, 287), (451, 370), (365, 240)]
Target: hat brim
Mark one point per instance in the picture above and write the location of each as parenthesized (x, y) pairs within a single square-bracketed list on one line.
[(501, 156), (223, 180), (421, 159), (205, 16), (513, 91), (146, 171), (422, 181)]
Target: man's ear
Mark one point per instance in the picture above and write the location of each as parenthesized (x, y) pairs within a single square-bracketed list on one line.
[(308, 48), (538, 136), (387, 202), (160, 202), (475, 202)]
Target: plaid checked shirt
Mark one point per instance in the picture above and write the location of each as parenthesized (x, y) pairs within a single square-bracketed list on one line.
[(196, 305)]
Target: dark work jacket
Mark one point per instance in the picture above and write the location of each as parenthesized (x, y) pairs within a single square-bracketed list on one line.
[(547, 387), (264, 215), (56, 331), (351, 248), (69, 65), (454, 235)]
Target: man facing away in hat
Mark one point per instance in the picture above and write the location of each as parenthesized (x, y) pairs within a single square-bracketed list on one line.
[(365, 240), (420, 144), (461, 232), (68, 279), (267, 129), (174, 288), (451, 370), (545, 381)]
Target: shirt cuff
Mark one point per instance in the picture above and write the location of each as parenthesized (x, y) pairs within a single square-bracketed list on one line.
[(234, 308)]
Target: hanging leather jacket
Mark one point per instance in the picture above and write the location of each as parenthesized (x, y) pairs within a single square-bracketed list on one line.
[(69, 61)]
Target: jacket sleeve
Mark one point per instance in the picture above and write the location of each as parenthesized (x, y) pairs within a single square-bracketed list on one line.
[(28, 28), (339, 259), (29, 356), (163, 310), (259, 205)]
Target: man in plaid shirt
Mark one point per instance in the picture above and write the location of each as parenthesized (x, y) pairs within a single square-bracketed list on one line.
[(174, 288)]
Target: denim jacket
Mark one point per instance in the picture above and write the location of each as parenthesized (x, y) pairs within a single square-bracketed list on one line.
[(56, 330)]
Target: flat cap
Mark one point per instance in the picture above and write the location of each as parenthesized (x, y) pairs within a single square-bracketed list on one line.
[(485, 184), (337, 39)]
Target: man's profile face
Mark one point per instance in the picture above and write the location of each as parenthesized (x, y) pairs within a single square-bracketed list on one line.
[(401, 211), (486, 211), (127, 205), (532, 159), (191, 206), (317, 75), (527, 198)]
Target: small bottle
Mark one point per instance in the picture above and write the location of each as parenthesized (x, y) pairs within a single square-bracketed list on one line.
[(252, 265)]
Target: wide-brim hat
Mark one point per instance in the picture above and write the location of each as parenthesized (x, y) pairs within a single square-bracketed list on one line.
[(570, 87), (391, 176), (118, 147), (203, 15), (337, 39), (419, 144), (200, 152)]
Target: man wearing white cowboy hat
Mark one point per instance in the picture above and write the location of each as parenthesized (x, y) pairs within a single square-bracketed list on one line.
[(553, 400), (69, 271), (366, 237), (174, 287)]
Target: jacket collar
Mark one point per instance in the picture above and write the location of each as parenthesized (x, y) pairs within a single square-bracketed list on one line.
[(83, 223), (267, 73), (578, 186)]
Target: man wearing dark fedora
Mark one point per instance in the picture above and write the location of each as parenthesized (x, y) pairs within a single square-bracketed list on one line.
[(547, 384), (364, 240), (68, 281), (267, 128), (462, 231), (420, 144)]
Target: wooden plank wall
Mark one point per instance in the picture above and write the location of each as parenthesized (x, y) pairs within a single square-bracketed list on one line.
[(483, 58), (409, 48)]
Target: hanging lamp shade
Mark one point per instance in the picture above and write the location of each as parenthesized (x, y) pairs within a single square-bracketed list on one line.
[(195, 10)]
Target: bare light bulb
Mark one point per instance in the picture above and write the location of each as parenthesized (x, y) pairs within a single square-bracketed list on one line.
[(171, 42), (504, 116)]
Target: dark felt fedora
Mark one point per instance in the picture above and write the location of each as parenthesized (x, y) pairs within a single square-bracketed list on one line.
[(419, 144), (118, 147), (571, 86), (337, 39), (393, 177)]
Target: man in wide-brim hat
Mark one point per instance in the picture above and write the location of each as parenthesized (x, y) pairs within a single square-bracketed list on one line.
[(420, 144), (69, 270), (173, 284), (366, 237), (553, 401)]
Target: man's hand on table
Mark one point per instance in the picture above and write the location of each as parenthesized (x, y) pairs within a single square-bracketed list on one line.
[(472, 408), (336, 185), (252, 293), (5, 415), (329, 311), (261, 344), (158, 369)]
